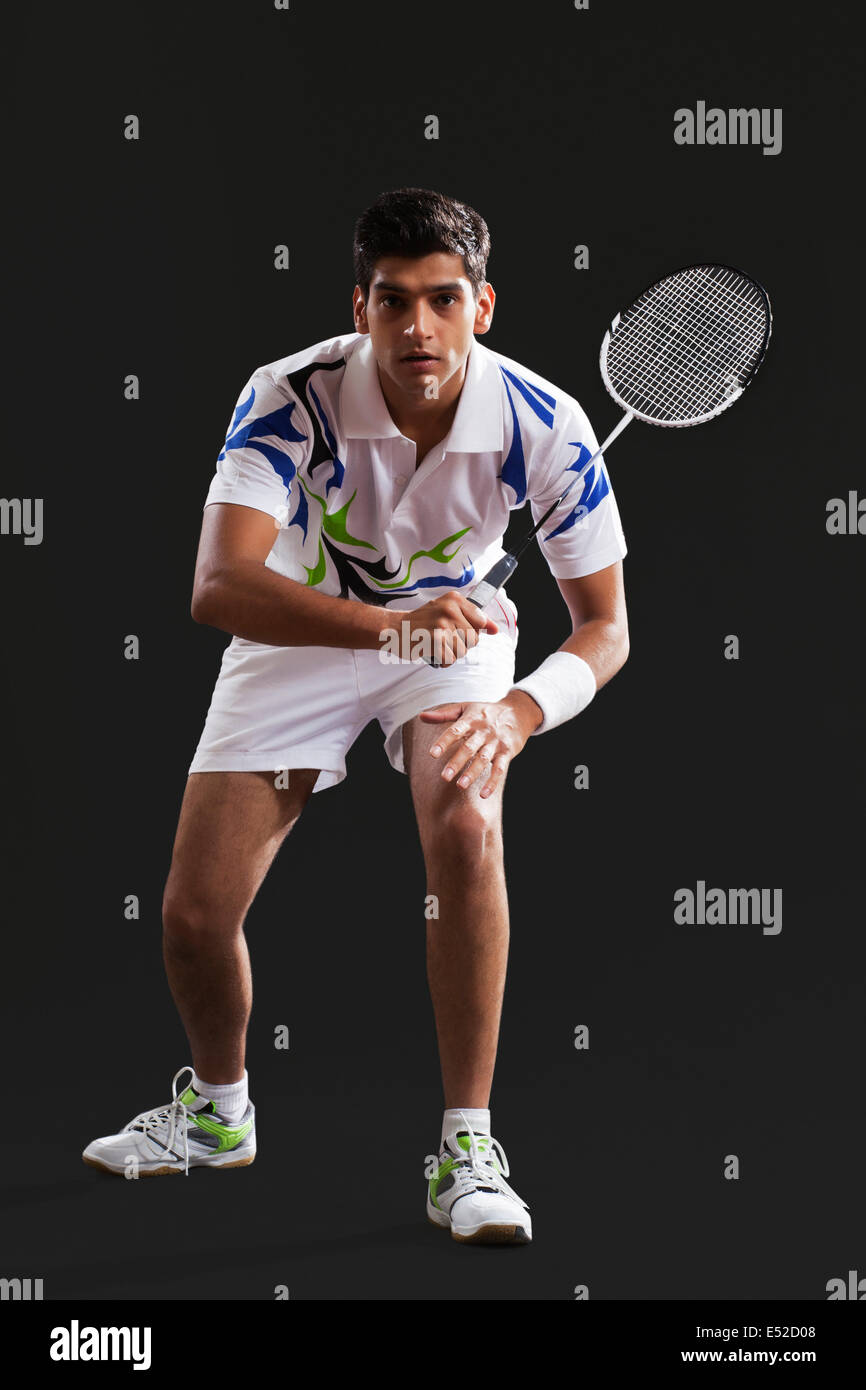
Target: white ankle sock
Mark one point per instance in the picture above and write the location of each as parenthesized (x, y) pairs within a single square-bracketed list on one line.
[(230, 1100), (452, 1121)]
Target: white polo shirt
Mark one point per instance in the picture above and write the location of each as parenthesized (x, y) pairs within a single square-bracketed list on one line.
[(312, 443)]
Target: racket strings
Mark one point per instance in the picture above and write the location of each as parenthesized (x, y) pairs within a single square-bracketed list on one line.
[(679, 360), (688, 344), (685, 361)]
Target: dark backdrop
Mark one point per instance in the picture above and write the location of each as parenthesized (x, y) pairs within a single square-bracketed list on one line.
[(155, 257)]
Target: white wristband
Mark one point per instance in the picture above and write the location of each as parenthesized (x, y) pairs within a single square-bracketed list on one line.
[(562, 686)]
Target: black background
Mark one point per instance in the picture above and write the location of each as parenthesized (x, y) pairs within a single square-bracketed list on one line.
[(155, 257)]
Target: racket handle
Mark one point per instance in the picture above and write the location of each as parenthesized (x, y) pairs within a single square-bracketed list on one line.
[(485, 590)]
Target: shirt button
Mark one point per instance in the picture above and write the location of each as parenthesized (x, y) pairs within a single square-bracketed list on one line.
[(400, 479)]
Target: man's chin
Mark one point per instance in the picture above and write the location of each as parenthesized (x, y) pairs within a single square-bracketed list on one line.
[(423, 386)]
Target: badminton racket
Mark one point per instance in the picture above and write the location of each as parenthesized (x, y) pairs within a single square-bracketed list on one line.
[(682, 353)]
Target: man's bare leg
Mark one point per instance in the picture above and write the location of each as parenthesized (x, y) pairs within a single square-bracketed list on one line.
[(230, 827), (467, 946)]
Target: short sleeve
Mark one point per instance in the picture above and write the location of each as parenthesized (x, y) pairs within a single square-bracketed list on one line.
[(584, 533), (265, 444)]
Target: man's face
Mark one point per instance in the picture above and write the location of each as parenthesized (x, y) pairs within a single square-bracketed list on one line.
[(421, 317)]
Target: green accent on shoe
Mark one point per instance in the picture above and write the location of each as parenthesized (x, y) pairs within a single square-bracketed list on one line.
[(463, 1140), (229, 1135), (441, 1172), (482, 1141), (189, 1097)]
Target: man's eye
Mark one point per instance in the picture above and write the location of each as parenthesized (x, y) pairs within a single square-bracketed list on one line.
[(389, 301)]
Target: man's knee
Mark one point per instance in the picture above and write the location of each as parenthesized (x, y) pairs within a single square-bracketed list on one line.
[(464, 829), (188, 921)]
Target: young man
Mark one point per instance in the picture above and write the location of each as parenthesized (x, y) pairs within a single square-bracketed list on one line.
[(364, 488)]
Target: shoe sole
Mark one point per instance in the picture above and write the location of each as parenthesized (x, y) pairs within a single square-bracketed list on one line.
[(487, 1235), (166, 1171)]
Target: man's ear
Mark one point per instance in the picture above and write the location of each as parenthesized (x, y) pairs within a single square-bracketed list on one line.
[(359, 310), (484, 309)]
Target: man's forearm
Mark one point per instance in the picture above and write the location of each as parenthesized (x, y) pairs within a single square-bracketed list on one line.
[(255, 602), (601, 643)]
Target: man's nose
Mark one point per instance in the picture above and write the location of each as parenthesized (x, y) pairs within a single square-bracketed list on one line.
[(419, 327)]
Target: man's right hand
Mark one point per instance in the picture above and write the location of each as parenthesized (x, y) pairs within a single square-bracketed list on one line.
[(441, 631)]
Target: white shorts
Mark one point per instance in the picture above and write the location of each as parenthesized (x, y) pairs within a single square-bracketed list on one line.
[(275, 708)]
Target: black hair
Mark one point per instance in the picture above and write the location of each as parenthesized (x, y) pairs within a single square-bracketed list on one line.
[(417, 222)]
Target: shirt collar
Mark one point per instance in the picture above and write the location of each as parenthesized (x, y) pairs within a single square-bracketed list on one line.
[(477, 425)]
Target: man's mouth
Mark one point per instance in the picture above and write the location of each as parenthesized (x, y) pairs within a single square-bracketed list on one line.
[(421, 363)]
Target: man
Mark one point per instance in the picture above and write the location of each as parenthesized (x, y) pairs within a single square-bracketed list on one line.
[(364, 488)]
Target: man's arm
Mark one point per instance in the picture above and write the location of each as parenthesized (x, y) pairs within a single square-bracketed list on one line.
[(483, 738), (234, 590), (599, 621), (599, 632)]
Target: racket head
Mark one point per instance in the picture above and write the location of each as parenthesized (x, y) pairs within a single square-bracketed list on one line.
[(688, 346)]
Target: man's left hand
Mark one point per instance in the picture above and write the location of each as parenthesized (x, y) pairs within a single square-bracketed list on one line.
[(482, 735)]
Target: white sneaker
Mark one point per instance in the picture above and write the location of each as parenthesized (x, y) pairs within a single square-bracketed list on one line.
[(468, 1193), (188, 1133)]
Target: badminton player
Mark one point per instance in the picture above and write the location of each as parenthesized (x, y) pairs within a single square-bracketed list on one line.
[(364, 487)]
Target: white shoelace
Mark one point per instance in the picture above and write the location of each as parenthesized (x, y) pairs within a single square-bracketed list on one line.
[(478, 1170), (154, 1123)]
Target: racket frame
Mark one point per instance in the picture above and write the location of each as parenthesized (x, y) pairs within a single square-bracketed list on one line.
[(483, 592), (732, 395)]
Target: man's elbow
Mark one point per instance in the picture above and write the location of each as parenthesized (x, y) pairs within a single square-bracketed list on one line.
[(201, 606), (623, 647), (617, 646)]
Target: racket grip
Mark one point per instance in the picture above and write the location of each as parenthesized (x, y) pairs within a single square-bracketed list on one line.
[(486, 588)]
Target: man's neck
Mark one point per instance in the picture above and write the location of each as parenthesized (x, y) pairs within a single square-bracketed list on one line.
[(428, 422), (426, 434)]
